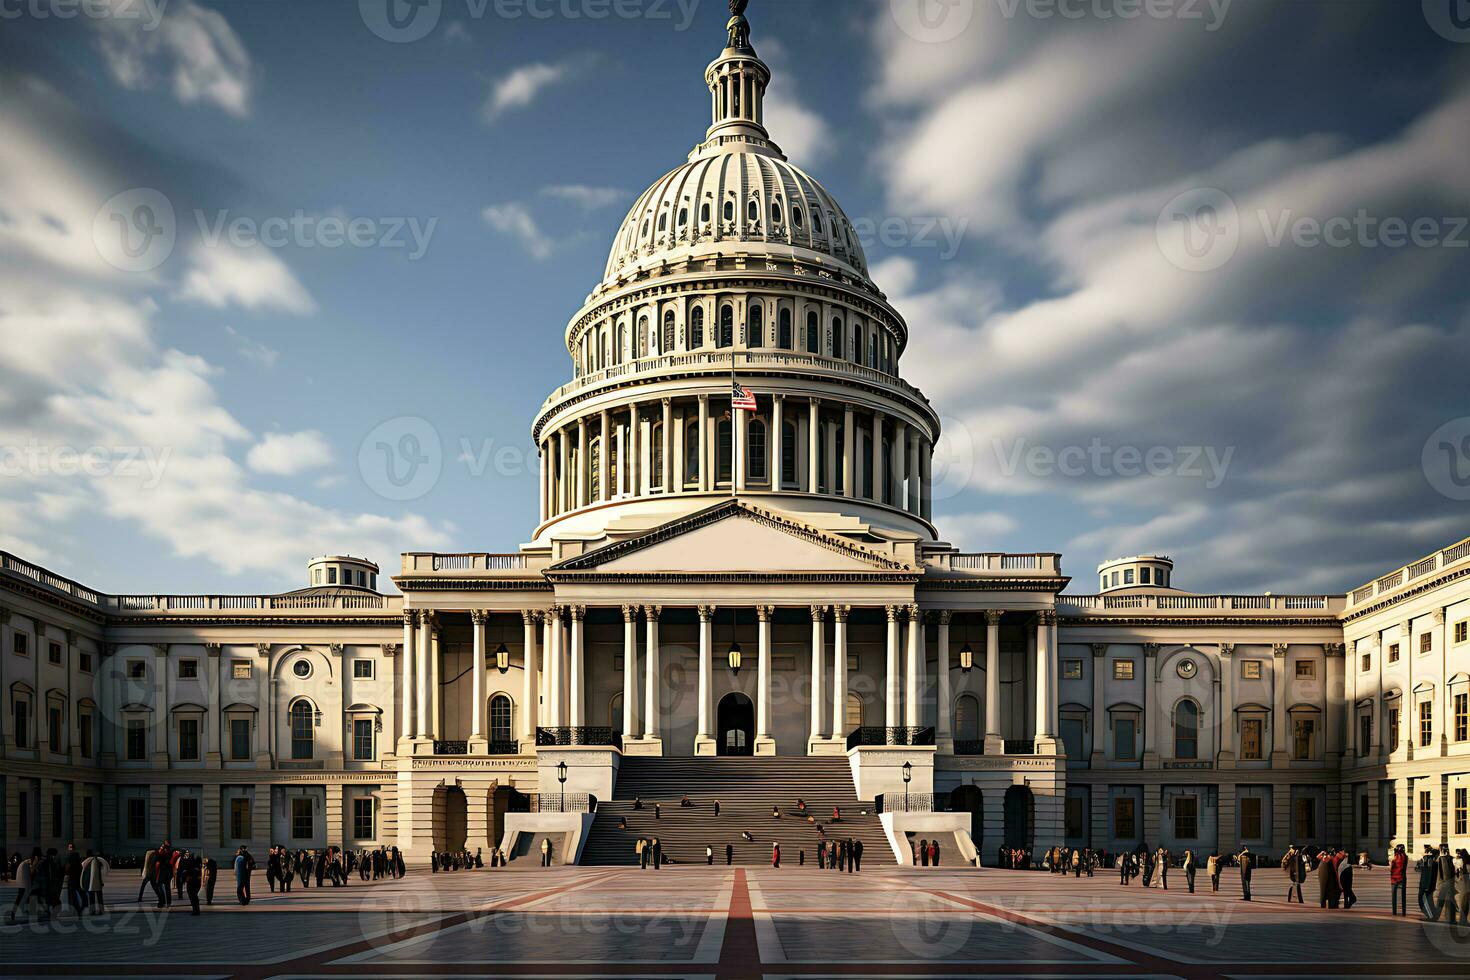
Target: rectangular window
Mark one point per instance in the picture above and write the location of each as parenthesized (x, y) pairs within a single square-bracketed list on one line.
[(1424, 813), (1124, 739), (1072, 670), (1462, 631), (1365, 734), (1363, 816), (1393, 653), (1127, 576), (1393, 729), (1122, 670), (239, 738), (362, 739), (53, 729), (1073, 814), (188, 669), (189, 817), (21, 709), (1426, 723), (19, 644), (1250, 670), (362, 818), (362, 670), (137, 739), (1304, 819), (54, 653), (1186, 817), (1306, 668), (240, 670), (1144, 575), (1123, 824), (84, 662), (84, 734), (1250, 738), (1304, 739), (137, 670), (1367, 663), (1071, 737), (1426, 642), (1250, 817), (1462, 810), (239, 818), (137, 818), (25, 814), (88, 807), (189, 738), (58, 814), (301, 822), (1462, 716)]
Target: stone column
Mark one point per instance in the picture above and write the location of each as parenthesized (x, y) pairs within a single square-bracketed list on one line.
[(912, 469), (580, 485), (839, 672), (1043, 733), (554, 668), (667, 444), (436, 690), (634, 451), (477, 681), (578, 694), (529, 694), (778, 442), (926, 478), (943, 725), (545, 483), (705, 483), (830, 469), (819, 642), (630, 672), (849, 460), (890, 683), (651, 676), (1225, 758), (604, 449), (1278, 702), (764, 744), (994, 730), (406, 728), (878, 472), (1099, 709), (913, 699), (813, 445), (564, 472), (1152, 724), (421, 676), (896, 464), (703, 743)]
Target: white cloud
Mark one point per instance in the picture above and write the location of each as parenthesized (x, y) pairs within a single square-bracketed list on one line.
[(192, 48), (802, 134), (286, 454), (977, 530), (514, 220), (252, 277), (252, 349), (588, 198), (522, 86)]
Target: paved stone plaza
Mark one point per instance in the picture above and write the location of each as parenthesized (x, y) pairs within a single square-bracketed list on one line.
[(719, 922)]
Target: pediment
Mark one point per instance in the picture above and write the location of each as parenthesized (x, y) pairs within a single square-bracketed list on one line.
[(734, 537)]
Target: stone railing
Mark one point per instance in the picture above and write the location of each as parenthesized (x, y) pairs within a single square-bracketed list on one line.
[(1168, 602), (1410, 573), (878, 735), (245, 603), (35, 572), (1039, 563), (470, 561), (581, 735), (900, 802), (451, 746), (562, 803)]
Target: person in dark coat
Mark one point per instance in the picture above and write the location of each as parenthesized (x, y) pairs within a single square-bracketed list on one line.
[(857, 855), (729, 854), (1247, 862), (1345, 879), (1327, 888), (1295, 866), (1428, 868)]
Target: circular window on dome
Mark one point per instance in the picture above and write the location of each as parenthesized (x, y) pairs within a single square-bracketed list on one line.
[(1187, 669), (301, 668)]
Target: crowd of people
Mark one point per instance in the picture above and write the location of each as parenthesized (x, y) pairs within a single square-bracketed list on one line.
[(832, 853), (49, 882)]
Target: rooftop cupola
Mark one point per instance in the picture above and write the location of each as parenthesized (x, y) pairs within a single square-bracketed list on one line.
[(737, 81)]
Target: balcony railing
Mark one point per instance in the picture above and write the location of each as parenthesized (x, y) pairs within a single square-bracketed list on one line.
[(451, 746), (969, 746), (1168, 602), (901, 802), (1415, 570), (562, 803), (504, 748), (1020, 746), (582, 735), (877, 735)]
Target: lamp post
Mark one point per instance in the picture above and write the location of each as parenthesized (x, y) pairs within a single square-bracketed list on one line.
[(561, 777), (908, 774)]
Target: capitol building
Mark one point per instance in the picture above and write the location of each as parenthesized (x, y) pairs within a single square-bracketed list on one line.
[(750, 602)]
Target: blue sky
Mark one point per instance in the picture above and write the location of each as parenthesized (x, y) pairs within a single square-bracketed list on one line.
[(1021, 173)]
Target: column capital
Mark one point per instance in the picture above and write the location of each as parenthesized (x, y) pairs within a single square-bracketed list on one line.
[(1227, 650), (706, 613), (915, 615), (894, 612), (1438, 617), (764, 613), (819, 612), (159, 649), (1279, 649), (992, 617), (1046, 617), (653, 612), (630, 613), (943, 616), (666, 401), (410, 617), (839, 613), (212, 649), (262, 649), (335, 649), (1100, 650), (530, 617), (1407, 627), (389, 649), (1332, 649), (578, 612), (479, 617), (1151, 650)]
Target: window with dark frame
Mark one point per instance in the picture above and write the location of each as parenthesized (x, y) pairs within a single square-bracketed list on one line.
[(1186, 817), (1250, 817), (301, 818), (362, 817), (1124, 825)]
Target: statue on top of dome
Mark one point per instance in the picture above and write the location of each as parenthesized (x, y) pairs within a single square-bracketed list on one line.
[(738, 26)]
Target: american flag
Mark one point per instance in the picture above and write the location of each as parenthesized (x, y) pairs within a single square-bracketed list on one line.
[(741, 397)]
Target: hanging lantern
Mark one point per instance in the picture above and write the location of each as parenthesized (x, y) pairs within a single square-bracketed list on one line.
[(734, 657), (967, 658), (502, 658)]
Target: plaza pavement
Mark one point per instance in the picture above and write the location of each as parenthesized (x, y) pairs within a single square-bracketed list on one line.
[(702, 922)]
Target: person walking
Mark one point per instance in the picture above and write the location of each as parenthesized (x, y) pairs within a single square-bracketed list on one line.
[(1444, 894), (25, 878), (193, 873), (1428, 868), (729, 854), (242, 876), (1161, 867), (1345, 879), (857, 855), (658, 854), (1212, 868), (1294, 863), (1462, 886), (94, 880), (775, 855), (717, 808), (934, 852), (1189, 870), (546, 852), (709, 855), (1327, 887), (210, 872), (1247, 861), (1398, 886), (851, 854)]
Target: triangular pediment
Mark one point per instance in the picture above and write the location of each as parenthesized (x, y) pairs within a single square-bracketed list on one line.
[(733, 537)]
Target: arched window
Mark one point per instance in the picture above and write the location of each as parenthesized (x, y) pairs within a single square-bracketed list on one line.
[(755, 327), (656, 437), (727, 327), (967, 717), (1186, 730), (839, 345), (643, 337), (303, 731), (857, 344), (775, 212), (813, 335), (753, 211), (788, 452), (816, 223), (663, 221), (704, 213), (696, 328), (622, 344), (691, 450), (615, 712), (683, 217), (645, 228), (783, 332), (756, 450), (667, 345), (796, 215), (872, 350), (724, 443), (500, 720), (729, 210)]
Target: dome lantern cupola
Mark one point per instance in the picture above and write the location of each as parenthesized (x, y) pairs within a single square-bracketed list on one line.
[(737, 81)]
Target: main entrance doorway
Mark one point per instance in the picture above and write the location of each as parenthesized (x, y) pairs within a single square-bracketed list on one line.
[(735, 720), (1020, 817)]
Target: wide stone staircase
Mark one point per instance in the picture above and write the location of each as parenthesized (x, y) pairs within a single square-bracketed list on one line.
[(746, 787)]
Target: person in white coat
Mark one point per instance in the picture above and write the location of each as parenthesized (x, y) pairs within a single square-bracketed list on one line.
[(94, 879), (25, 876)]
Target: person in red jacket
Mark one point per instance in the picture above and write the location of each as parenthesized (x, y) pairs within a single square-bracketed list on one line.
[(1398, 867)]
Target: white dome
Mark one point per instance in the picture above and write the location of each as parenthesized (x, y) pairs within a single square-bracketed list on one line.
[(737, 196)]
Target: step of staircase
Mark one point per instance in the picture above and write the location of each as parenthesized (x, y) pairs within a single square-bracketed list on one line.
[(747, 788)]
